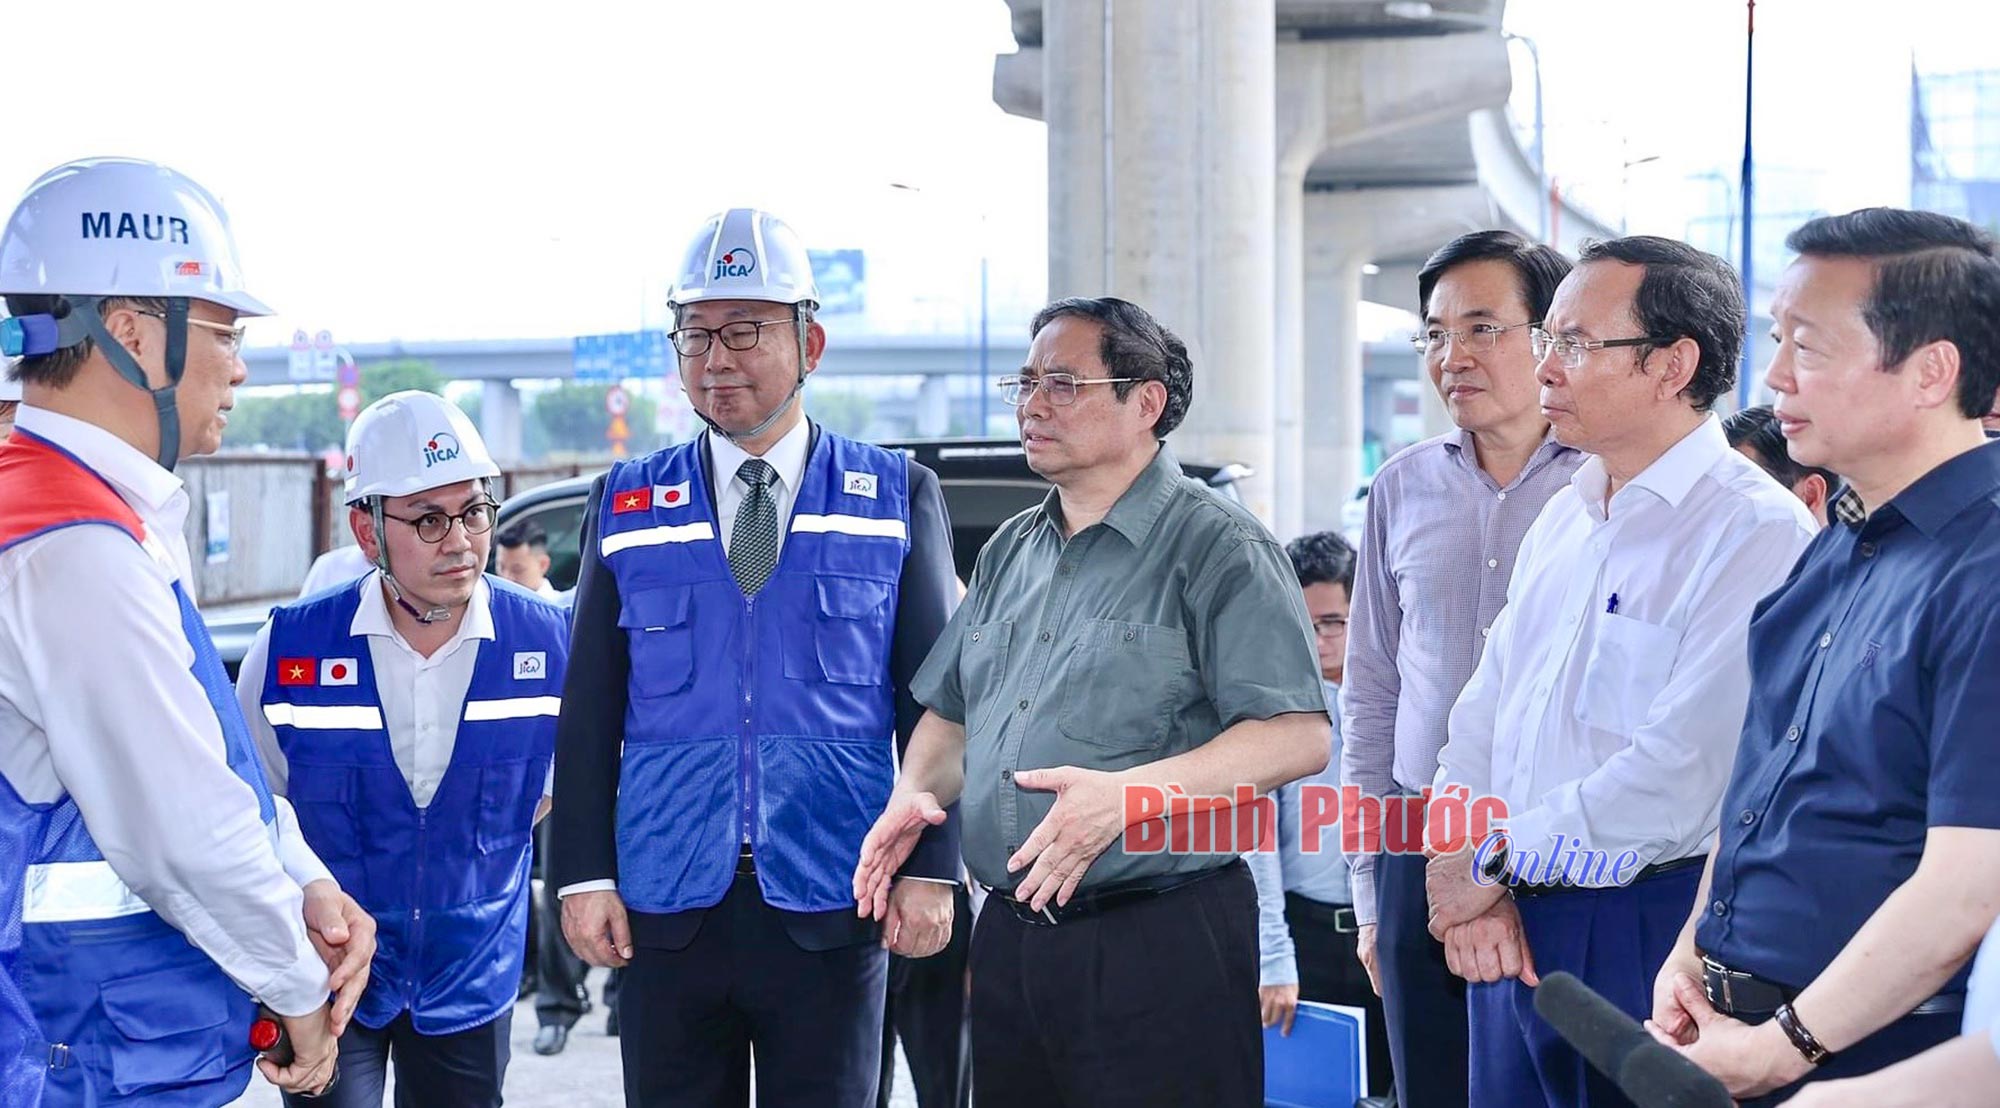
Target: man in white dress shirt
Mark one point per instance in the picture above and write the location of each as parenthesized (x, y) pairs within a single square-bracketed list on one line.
[(1605, 710)]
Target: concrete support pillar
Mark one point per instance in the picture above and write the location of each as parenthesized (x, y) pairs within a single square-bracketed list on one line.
[(500, 419), (1161, 191), (1332, 396), (934, 407)]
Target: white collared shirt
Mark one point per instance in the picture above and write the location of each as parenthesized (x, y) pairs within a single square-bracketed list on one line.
[(787, 456), (422, 699), (97, 700), (1613, 722)]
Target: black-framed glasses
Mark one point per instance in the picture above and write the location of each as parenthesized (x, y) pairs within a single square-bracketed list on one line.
[(432, 527), (1060, 388), (693, 342), (232, 337), (1328, 626), (1570, 351), (1479, 338)]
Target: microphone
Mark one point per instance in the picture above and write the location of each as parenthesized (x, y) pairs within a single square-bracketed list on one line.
[(1653, 1075)]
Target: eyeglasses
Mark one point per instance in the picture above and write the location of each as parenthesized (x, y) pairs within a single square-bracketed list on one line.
[(432, 527), (693, 342), (1569, 352), (1329, 626), (232, 337), (1476, 339), (1060, 388)]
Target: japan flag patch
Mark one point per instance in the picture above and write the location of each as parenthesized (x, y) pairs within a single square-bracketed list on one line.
[(337, 671)]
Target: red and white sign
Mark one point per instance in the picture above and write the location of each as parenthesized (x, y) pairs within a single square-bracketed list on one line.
[(617, 401)]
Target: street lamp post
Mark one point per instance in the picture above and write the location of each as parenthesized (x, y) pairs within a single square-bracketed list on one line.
[(1541, 152)]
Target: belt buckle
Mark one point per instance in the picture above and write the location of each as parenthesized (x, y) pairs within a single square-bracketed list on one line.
[(1726, 1004), (1345, 922), (58, 1056)]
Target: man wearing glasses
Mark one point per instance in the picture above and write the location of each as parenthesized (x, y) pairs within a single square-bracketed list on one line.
[(1605, 709), (751, 609), (1445, 518), (410, 717), (1134, 630)]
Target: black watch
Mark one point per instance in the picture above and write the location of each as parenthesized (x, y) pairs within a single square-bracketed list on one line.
[(1496, 867)]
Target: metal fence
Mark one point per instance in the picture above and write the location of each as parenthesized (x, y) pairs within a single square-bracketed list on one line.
[(256, 521)]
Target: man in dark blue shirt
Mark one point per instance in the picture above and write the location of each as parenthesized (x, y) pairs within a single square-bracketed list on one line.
[(1858, 864)]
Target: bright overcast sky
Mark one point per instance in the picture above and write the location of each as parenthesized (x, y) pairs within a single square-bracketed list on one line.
[(418, 170)]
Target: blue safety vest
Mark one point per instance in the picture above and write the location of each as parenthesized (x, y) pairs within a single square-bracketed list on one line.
[(126, 1010), (446, 883), (771, 717)]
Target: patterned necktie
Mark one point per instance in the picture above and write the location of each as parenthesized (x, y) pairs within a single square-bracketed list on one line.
[(753, 544)]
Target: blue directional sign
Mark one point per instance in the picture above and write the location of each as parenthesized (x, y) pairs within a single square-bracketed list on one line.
[(617, 357)]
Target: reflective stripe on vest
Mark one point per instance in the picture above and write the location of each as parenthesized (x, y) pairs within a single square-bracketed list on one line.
[(324, 717), (655, 536), (67, 892), (515, 707), (850, 525)]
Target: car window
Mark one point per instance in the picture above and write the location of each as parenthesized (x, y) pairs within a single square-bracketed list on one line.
[(980, 505), (563, 520)]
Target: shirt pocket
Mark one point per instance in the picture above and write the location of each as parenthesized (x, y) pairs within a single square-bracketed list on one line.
[(1122, 684), (1629, 664), (982, 670), (661, 642)]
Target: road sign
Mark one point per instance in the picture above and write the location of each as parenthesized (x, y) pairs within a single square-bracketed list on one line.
[(616, 401), (617, 357), (299, 366), (350, 403), (347, 375), (322, 356)]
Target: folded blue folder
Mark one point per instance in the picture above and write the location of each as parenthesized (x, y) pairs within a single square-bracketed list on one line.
[(1323, 1064)]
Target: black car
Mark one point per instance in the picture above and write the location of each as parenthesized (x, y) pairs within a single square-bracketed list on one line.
[(985, 481)]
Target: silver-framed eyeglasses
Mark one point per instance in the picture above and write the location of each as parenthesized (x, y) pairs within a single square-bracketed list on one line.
[(1476, 339), (1060, 388), (432, 527), (693, 342), (1570, 352), (232, 337)]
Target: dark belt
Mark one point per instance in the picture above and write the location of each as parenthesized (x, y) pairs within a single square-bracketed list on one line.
[(1340, 917), (1657, 869), (1738, 993), (1100, 900)]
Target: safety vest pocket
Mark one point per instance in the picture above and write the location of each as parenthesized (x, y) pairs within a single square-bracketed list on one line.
[(660, 640), (175, 1026)]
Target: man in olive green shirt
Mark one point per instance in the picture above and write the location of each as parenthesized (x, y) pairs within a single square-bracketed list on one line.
[(1135, 631)]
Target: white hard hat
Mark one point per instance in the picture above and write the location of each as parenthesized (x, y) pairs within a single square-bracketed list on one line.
[(122, 227), (745, 254), (410, 441)]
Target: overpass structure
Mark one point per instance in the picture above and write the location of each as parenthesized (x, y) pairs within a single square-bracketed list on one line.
[(499, 363), (1251, 171)]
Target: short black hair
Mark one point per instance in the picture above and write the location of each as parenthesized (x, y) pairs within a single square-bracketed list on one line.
[(524, 533), (1758, 429), (1685, 293), (1134, 345), (1540, 268), (58, 368), (1322, 558), (1936, 279)]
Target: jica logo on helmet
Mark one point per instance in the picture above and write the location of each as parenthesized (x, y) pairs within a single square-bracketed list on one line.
[(442, 448), (739, 262)]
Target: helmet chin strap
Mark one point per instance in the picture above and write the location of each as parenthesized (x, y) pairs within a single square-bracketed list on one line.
[(434, 615), (783, 405), (86, 320)]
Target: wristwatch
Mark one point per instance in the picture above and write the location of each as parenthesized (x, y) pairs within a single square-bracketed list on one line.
[(1808, 1046), (1495, 867)]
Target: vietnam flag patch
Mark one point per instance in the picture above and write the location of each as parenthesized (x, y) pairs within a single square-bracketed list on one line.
[(632, 500), (298, 671)]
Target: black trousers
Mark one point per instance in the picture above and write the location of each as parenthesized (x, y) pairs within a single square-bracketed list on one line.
[(1330, 972), (1423, 1002), (927, 1011), (689, 1018), (559, 990), (1146, 1004), (464, 1070)]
